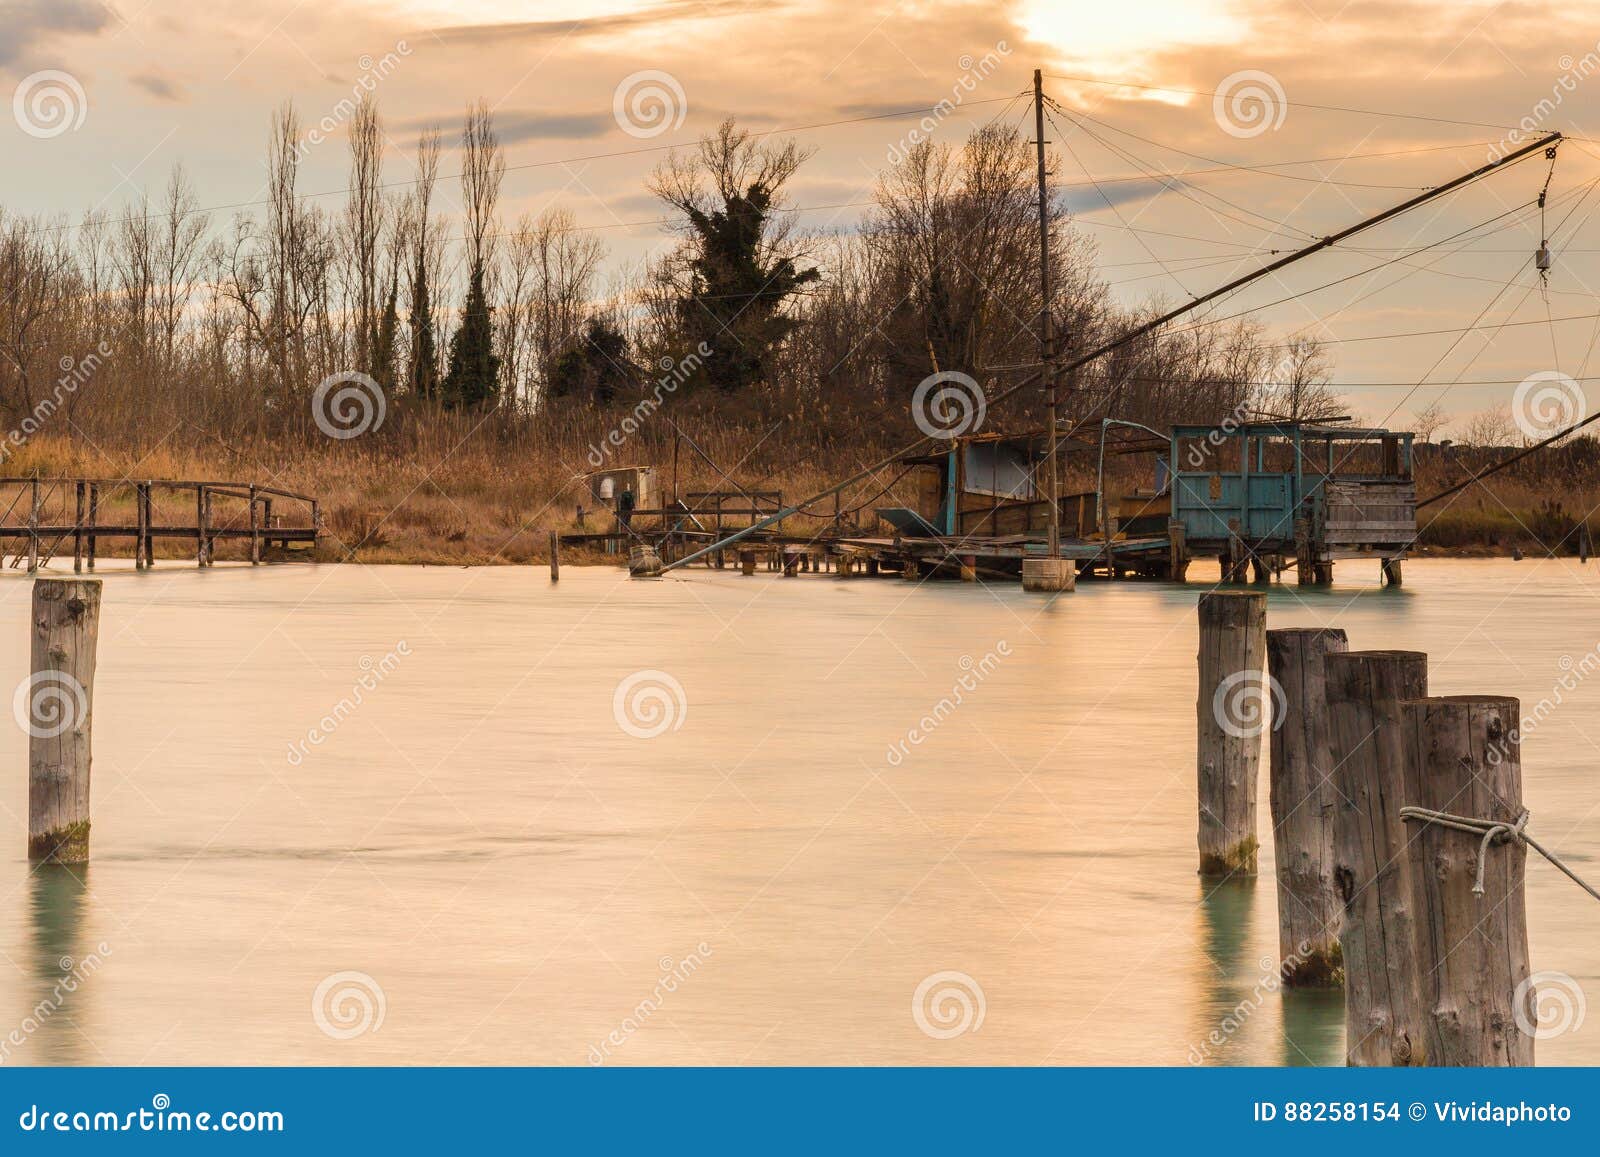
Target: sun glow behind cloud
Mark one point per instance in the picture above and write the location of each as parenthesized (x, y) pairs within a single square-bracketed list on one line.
[(1102, 39)]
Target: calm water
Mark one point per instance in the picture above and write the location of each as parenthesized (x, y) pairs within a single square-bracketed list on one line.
[(517, 878)]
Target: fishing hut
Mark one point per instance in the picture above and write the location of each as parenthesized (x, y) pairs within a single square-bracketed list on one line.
[(1262, 497)]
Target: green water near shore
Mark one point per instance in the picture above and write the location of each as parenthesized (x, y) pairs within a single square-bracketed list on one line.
[(322, 792)]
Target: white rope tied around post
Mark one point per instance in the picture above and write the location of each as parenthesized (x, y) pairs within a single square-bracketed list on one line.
[(1494, 832)]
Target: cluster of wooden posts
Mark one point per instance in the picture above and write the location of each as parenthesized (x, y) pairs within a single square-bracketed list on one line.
[(1434, 966)]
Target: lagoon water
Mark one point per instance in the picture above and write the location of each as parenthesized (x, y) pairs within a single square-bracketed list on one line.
[(488, 860)]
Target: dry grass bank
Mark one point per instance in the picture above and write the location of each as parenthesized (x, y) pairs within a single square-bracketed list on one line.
[(450, 492)]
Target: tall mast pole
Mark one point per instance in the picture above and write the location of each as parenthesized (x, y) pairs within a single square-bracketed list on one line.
[(1047, 340)]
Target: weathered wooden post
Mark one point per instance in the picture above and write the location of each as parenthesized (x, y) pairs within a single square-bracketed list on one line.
[(255, 528), (1305, 564), (1232, 714), (1177, 550), (94, 521), (1464, 760), (33, 525), (555, 557), (210, 531), (747, 562), (791, 562), (1377, 938), (1303, 802), (141, 540), (200, 513), (1391, 572), (969, 568), (77, 531), (1238, 556), (59, 701)]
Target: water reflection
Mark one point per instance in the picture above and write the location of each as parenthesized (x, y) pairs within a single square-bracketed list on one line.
[(1244, 1015), (47, 1024)]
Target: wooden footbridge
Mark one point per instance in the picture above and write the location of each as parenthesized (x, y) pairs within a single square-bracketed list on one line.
[(41, 518)]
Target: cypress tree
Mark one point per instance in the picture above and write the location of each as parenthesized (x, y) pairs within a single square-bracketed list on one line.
[(424, 370), (384, 368), (474, 376)]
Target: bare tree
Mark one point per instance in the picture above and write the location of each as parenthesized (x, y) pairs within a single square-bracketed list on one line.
[(38, 289), (179, 253), (1429, 420), (422, 267), (1490, 428), (364, 224), (1298, 389), (483, 165)]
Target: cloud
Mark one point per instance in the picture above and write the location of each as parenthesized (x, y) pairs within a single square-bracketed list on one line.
[(496, 35), (515, 126), (25, 24), (156, 85)]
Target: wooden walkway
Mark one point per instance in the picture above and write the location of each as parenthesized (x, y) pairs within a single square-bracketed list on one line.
[(43, 517)]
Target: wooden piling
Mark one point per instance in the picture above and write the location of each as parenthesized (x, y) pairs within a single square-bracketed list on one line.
[(94, 521), (1377, 936), (33, 527), (1305, 563), (141, 540), (1463, 757), (1177, 550), (1232, 714), (1303, 802), (209, 530), (60, 702), (747, 562), (200, 526), (77, 530), (555, 557), (1391, 572), (255, 529), (969, 568)]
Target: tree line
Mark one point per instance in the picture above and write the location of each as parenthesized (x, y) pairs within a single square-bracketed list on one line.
[(224, 327)]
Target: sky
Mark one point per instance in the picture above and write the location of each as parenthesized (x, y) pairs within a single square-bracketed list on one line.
[(1371, 102)]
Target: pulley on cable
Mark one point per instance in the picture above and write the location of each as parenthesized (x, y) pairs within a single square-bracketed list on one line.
[(1541, 255)]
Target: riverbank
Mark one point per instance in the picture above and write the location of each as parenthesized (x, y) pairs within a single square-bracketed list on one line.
[(457, 495)]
